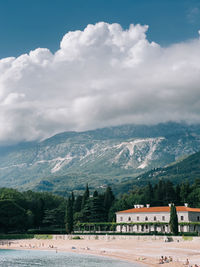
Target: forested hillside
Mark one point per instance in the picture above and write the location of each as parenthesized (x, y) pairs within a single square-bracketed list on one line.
[(185, 170)]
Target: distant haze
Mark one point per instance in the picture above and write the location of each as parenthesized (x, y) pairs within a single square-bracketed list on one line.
[(101, 76)]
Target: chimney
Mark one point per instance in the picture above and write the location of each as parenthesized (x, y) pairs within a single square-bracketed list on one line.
[(135, 206), (186, 204), (170, 204), (141, 206), (147, 205)]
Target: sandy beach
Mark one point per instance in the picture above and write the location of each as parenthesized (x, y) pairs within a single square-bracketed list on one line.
[(144, 251)]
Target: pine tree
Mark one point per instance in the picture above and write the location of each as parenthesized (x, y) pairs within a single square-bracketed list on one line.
[(148, 196), (177, 192), (184, 191), (170, 195), (86, 211), (97, 210), (173, 220), (69, 217)]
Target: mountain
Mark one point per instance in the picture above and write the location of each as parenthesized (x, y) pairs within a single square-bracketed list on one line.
[(110, 155), (186, 169)]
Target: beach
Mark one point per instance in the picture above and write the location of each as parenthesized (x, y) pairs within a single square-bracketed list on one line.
[(133, 250)]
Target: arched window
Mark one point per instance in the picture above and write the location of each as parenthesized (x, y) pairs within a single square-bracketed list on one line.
[(154, 218), (146, 218), (129, 218)]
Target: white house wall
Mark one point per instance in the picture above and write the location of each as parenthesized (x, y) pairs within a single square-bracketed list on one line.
[(163, 217), (150, 217)]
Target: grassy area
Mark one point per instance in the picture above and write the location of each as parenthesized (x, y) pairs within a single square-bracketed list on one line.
[(16, 236), (187, 238)]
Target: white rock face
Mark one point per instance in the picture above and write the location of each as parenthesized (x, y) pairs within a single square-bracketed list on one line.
[(138, 146)]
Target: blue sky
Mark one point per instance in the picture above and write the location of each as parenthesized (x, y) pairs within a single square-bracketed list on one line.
[(28, 24)]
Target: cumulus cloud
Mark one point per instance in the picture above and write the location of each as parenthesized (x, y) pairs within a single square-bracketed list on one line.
[(101, 76)]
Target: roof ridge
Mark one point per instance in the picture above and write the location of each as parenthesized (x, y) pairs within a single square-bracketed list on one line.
[(159, 209)]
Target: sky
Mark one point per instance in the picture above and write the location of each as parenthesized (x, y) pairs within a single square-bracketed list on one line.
[(86, 64)]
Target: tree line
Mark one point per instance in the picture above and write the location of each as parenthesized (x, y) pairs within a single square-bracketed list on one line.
[(23, 211)]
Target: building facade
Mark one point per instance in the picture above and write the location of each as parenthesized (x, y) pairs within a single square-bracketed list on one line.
[(142, 219)]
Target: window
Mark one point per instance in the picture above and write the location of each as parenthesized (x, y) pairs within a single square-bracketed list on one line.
[(121, 219), (163, 218), (146, 218), (137, 227), (154, 218), (146, 227), (129, 218), (197, 218), (138, 218), (182, 218)]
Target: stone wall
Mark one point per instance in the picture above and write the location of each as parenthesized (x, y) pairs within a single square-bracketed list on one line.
[(125, 237)]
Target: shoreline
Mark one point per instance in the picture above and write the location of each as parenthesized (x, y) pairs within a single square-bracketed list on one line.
[(146, 252), (91, 253)]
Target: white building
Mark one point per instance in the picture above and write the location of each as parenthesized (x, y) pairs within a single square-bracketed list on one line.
[(142, 219)]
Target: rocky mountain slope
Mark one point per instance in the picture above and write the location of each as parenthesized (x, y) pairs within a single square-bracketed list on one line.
[(68, 160), (186, 169)]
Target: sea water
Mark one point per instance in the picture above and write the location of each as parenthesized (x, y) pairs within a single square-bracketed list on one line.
[(29, 258)]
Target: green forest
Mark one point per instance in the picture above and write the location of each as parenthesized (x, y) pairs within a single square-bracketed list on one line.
[(36, 212)]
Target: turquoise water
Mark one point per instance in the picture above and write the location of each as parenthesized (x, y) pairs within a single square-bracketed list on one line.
[(29, 258)]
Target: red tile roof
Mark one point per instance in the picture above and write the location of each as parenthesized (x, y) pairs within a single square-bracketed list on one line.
[(159, 209)]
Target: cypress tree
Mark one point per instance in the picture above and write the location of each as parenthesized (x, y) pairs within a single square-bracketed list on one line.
[(95, 194), (85, 197), (173, 220), (73, 198), (69, 217), (77, 204), (108, 200)]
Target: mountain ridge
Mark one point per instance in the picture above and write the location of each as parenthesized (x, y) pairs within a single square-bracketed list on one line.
[(103, 156)]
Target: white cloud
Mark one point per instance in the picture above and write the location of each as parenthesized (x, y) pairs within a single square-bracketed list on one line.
[(99, 77)]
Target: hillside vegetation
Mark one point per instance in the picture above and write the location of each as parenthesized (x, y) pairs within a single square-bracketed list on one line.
[(186, 170)]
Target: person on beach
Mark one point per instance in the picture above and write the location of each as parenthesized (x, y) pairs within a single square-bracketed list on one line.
[(161, 260), (166, 259), (187, 262)]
